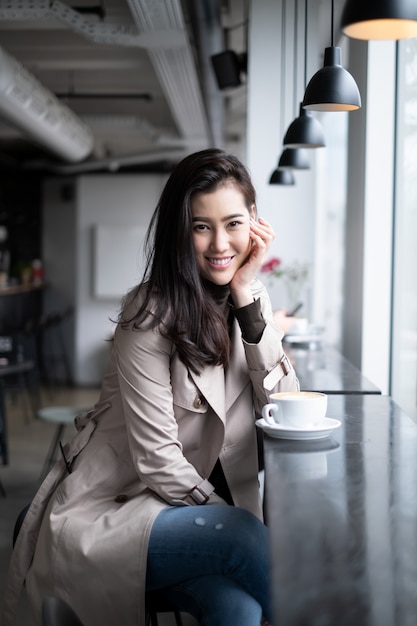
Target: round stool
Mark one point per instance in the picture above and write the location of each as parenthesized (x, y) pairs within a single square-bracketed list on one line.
[(62, 416)]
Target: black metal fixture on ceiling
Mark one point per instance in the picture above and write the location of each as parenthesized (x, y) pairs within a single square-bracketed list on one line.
[(332, 88), (379, 19), (229, 67), (305, 131)]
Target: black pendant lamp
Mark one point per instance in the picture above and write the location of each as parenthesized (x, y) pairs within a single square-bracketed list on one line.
[(380, 19), (332, 88), (304, 131), (294, 159), (282, 177)]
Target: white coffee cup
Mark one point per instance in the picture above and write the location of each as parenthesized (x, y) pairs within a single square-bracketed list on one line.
[(296, 409)]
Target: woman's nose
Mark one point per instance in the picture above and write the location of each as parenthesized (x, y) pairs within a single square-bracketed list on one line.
[(219, 241)]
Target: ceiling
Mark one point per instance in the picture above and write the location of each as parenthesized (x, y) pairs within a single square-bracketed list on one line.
[(128, 70), (134, 76)]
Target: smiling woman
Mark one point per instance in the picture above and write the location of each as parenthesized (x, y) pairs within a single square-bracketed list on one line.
[(194, 358), (221, 232)]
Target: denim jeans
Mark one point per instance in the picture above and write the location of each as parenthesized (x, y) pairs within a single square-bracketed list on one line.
[(212, 561)]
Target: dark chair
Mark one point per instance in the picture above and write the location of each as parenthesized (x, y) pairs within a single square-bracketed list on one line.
[(18, 369), (48, 336), (56, 612)]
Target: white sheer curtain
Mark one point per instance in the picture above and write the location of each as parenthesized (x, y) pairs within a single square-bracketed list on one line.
[(404, 335)]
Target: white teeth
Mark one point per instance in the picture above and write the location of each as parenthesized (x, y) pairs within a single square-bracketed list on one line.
[(220, 261)]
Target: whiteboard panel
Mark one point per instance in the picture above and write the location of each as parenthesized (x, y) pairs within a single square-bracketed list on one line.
[(118, 260)]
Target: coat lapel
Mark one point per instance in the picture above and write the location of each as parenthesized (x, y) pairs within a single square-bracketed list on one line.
[(211, 384), (221, 389), (237, 376)]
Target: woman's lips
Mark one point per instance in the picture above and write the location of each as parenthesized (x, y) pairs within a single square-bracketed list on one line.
[(220, 263)]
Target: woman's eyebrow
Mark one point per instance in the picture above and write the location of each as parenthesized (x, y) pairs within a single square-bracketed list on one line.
[(224, 219)]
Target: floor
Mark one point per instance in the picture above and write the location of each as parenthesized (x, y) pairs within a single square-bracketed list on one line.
[(29, 440)]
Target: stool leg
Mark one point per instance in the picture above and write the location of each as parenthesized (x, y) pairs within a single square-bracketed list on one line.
[(4, 449), (52, 451), (152, 618)]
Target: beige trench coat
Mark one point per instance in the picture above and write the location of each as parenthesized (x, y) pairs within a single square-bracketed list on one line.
[(155, 433)]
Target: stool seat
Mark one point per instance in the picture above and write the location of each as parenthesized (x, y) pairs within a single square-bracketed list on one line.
[(62, 416), (59, 414)]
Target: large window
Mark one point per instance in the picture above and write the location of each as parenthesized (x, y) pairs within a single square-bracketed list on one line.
[(330, 226), (404, 335)]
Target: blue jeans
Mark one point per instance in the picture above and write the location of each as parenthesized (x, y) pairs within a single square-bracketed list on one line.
[(212, 562)]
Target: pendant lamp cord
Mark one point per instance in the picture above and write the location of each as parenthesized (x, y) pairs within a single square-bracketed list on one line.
[(283, 44), (305, 43), (294, 91), (246, 21), (332, 43)]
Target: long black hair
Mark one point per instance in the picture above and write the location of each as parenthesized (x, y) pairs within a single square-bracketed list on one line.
[(176, 295)]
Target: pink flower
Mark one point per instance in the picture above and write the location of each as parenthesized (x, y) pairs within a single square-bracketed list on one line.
[(271, 265)]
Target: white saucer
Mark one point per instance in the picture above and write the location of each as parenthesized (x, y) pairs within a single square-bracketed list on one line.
[(322, 430), (303, 338)]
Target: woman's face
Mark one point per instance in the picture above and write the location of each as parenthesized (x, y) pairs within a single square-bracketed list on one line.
[(221, 232)]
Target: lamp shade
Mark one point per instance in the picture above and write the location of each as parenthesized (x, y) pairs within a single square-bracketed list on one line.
[(379, 19), (332, 88), (282, 177), (304, 132), (294, 159)]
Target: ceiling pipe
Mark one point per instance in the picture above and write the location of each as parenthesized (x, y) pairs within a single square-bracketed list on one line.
[(111, 164), (206, 25), (35, 111), (175, 69)]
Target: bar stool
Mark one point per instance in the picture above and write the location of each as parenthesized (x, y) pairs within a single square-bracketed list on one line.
[(62, 416)]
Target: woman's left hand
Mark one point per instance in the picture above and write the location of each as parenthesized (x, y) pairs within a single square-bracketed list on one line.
[(262, 236)]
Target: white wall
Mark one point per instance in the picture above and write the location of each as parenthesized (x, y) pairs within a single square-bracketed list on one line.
[(120, 201)]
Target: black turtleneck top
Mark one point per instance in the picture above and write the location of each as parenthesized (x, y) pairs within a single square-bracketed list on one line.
[(252, 325)]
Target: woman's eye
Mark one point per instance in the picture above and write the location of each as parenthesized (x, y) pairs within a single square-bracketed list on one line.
[(234, 224), (200, 227)]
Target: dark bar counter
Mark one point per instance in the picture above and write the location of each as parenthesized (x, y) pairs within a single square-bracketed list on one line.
[(324, 369), (342, 513)]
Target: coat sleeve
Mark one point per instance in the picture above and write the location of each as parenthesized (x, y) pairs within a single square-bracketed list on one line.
[(269, 368), (143, 366)]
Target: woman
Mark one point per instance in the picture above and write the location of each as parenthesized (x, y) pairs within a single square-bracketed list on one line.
[(140, 500)]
